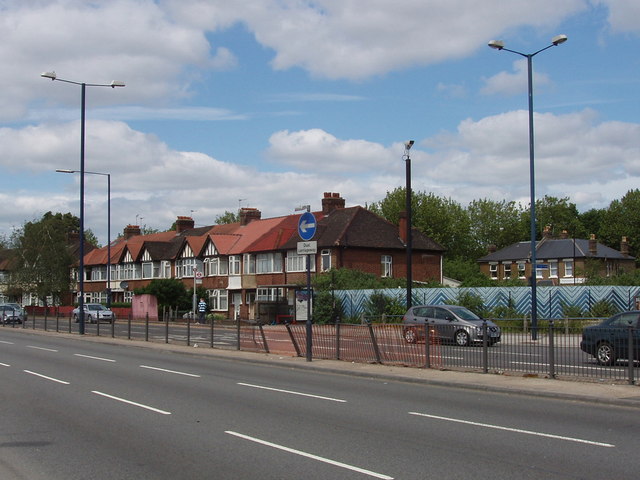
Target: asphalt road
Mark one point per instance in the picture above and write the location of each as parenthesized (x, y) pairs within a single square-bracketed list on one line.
[(73, 409)]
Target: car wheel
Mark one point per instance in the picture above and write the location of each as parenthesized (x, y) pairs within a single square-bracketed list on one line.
[(75, 318), (410, 335), (461, 338), (605, 354)]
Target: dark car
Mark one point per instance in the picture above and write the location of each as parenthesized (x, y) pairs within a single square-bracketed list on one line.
[(609, 341), (450, 322), (12, 313)]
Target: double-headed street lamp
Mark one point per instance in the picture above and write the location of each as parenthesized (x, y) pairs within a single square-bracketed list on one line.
[(499, 45), (113, 84), (108, 175)]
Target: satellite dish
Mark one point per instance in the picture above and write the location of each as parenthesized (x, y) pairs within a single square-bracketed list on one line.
[(124, 285)]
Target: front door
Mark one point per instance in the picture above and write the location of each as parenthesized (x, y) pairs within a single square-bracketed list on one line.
[(237, 302)]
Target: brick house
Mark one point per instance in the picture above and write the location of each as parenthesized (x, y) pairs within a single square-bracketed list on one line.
[(561, 261), (253, 263)]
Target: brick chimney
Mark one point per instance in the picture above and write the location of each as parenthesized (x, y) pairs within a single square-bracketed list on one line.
[(402, 226), (331, 202), (492, 248), (624, 246), (248, 215), (564, 235), (131, 231), (184, 223), (593, 245), (546, 233)]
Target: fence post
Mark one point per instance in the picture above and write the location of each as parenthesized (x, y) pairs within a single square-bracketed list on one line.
[(189, 328), (375, 343), (293, 340), (427, 346), (238, 334), (552, 351), (146, 327), (264, 339), (338, 323), (129, 326), (69, 323), (485, 348), (57, 322), (630, 354), (212, 321), (98, 325), (113, 326), (166, 326)]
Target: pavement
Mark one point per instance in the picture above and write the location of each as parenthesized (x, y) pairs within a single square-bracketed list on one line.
[(603, 392)]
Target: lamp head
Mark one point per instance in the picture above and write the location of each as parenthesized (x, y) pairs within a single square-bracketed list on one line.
[(408, 144), (558, 39), (116, 83), (51, 75), (497, 44)]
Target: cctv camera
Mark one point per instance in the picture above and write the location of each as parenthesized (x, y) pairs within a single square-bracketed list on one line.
[(408, 144)]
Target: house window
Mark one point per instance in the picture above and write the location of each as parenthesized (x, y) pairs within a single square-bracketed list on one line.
[(248, 264), (493, 270), (147, 270), (553, 268), (507, 270), (387, 266), (269, 263), (234, 265), (521, 269), (539, 269), (165, 269), (568, 268), (219, 300), (325, 256), (298, 263), (184, 267), (271, 294)]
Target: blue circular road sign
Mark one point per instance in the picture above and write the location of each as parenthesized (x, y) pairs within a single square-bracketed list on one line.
[(307, 226)]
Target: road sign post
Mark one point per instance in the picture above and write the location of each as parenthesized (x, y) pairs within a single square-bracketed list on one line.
[(306, 231)]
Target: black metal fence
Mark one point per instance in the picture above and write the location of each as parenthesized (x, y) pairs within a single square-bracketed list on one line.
[(555, 352)]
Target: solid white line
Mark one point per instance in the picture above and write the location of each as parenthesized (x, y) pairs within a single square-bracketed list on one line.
[(309, 455), (94, 358), (8, 343), (516, 430), (170, 371), (5, 364), (292, 393), (42, 348), (44, 376), (131, 403)]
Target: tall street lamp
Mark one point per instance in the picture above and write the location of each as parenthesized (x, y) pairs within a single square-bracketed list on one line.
[(108, 175), (499, 45), (407, 160), (113, 84)]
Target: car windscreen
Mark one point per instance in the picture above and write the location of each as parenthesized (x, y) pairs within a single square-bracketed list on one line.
[(95, 307)]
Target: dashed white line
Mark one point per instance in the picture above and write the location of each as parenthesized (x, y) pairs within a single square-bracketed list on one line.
[(292, 392), (6, 343), (4, 365), (124, 400), (42, 348), (93, 358), (515, 430), (46, 377), (310, 455), (170, 371)]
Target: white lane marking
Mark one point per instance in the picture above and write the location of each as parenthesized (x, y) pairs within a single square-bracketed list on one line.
[(310, 455), (516, 430), (170, 371), (292, 392), (123, 400), (5, 365), (44, 376), (93, 358), (42, 348), (7, 343)]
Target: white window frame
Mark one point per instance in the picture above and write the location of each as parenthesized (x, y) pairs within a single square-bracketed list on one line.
[(234, 264), (522, 268), (493, 271), (386, 262), (568, 267), (553, 269), (325, 260), (248, 264), (148, 266), (506, 270), (219, 300), (269, 262)]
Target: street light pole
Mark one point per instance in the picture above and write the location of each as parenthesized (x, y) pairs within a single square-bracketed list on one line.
[(108, 175), (407, 160), (499, 45), (83, 85)]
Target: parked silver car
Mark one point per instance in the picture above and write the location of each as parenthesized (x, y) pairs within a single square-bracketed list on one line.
[(93, 313), (449, 322), (12, 313)]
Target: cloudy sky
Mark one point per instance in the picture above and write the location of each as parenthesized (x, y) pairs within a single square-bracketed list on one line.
[(270, 103)]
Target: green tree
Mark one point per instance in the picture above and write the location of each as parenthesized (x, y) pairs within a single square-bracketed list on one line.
[(493, 223), (622, 219), (43, 256), (170, 292), (227, 217)]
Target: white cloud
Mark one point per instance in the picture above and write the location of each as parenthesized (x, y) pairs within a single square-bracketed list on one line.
[(623, 15), (512, 83)]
